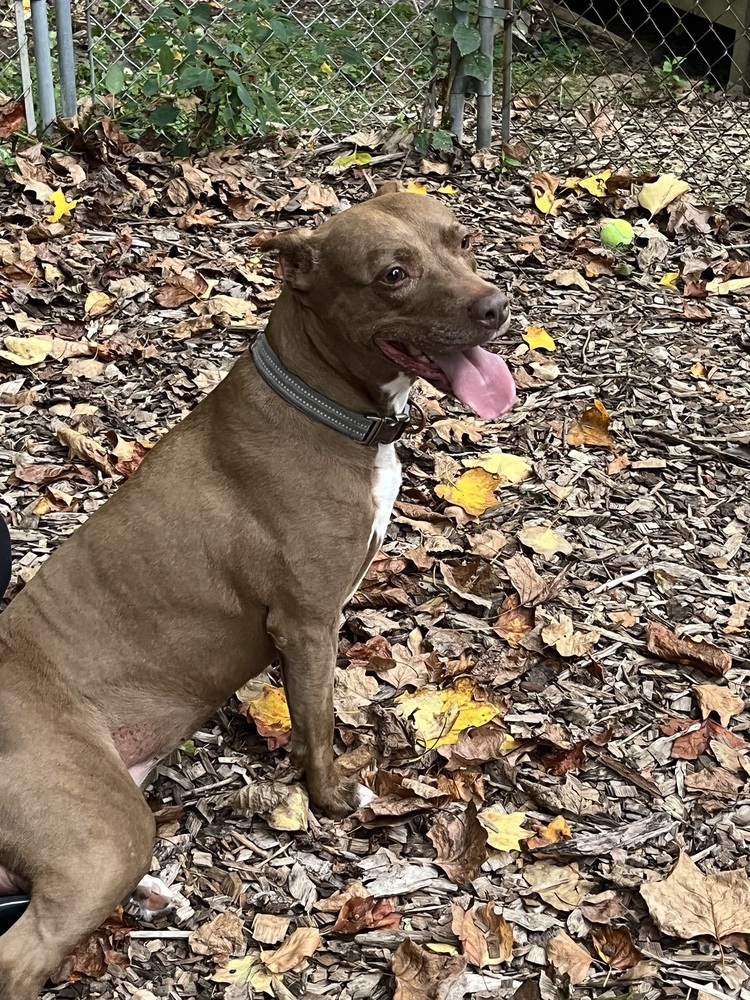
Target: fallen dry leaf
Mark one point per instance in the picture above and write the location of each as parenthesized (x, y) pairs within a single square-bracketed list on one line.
[(247, 971), (83, 447), (97, 304), (567, 957), (562, 886), (666, 645), (283, 807), (473, 491), (515, 620), (659, 193), (720, 287), (486, 937), (562, 761), (365, 914), (441, 716), (460, 843), (300, 945), (552, 833), (691, 745), (87, 960), (221, 937), (512, 468), (568, 277), (538, 338), (477, 746), (566, 640), (422, 974), (270, 713), (689, 904), (60, 205), (722, 701), (504, 830), (591, 428), (543, 188), (544, 540), (716, 780), (615, 947)]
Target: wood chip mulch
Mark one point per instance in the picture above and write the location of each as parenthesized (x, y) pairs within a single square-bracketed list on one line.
[(580, 646)]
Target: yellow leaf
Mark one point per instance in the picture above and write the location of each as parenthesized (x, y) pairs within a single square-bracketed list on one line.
[(26, 350), (553, 833), (416, 187), (596, 184), (504, 830), (473, 491), (502, 464), (669, 280), (544, 540), (291, 812), (300, 944), (441, 716), (60, 206), (719, 287), (441, 949), (592, 428), (537, 336), (97, 303), (699, 370), (661, 192), (270, 713), (327, 68), (543, 188), (247, 971), (446, 189)]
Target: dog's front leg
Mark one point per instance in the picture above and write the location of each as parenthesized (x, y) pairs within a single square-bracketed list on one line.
[(307, 649)]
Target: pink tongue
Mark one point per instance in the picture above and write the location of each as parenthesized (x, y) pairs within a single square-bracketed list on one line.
[(481, 380)]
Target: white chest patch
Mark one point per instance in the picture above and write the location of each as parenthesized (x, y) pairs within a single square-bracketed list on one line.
[(385, 487), (387, 479)]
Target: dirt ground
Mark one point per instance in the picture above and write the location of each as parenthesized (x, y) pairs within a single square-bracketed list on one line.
[(547, 694)]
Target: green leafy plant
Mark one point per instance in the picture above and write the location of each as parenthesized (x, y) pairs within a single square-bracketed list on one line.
[(670, 75), (197, 84)]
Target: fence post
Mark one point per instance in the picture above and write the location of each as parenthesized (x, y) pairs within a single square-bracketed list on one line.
[(66, 58), (484, 87), (458, 83), (43, 61), (508, 15), (23, 57)]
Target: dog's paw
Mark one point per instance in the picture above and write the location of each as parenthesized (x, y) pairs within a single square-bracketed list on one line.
[(342, 798), (152, 897)]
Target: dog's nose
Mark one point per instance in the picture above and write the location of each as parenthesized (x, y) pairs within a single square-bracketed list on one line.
[(491, 311)]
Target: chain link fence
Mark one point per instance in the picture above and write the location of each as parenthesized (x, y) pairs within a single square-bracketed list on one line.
[(646, 83), (638, 82)]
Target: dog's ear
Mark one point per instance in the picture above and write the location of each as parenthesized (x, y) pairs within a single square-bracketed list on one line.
[(297, 258), (389, 187)]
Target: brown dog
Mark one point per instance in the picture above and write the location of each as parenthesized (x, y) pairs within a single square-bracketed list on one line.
[(238, 541)]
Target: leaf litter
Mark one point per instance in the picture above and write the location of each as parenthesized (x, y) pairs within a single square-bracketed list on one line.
[(544, 677)]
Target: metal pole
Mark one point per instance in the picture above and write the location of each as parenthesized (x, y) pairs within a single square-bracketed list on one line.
[(458, 84), (484, 87), (90, 47), (507, 70), (66, 58), (23, 55), (43, 60)]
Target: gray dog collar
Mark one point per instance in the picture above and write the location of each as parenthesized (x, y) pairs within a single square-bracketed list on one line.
[(357, 426)]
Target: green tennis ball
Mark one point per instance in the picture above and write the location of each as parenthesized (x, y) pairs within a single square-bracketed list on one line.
[(617, 233)]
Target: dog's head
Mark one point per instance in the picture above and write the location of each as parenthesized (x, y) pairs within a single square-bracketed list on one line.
[(393, 282)]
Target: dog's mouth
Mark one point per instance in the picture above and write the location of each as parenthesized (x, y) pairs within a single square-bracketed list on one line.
[(475, 376)]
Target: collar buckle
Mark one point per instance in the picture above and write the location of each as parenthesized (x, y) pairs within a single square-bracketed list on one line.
[(386, 430)]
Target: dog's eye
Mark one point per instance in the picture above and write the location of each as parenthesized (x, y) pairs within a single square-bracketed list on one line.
[(467, 242), (395, 275)]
